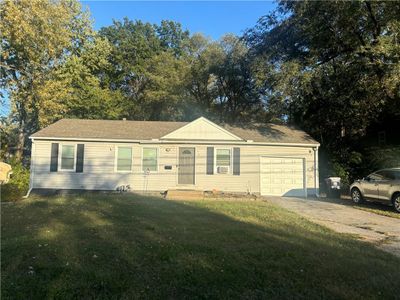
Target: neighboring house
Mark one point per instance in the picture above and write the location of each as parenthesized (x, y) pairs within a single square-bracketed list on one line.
[(5, 172), (264, 159)]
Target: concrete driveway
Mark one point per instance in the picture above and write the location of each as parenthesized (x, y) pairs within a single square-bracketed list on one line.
[(383, 231)]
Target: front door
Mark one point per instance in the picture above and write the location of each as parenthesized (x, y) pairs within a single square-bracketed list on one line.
[(186, 169)]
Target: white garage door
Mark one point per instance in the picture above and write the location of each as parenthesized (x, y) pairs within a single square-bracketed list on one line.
[(282, 176)]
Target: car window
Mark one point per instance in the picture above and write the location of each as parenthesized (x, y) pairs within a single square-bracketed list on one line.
[(396, 175), (389, 175), (376, 176)]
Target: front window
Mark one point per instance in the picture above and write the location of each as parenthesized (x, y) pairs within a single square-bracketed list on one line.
[(67, 157), (150, 159), (124, 159), (223, 161)]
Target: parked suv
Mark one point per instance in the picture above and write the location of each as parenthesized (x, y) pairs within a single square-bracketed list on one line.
[(382, 186)]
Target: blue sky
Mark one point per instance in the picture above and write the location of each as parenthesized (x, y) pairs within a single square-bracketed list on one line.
[(212, 18)]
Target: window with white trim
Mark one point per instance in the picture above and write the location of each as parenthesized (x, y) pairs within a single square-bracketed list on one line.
[(124, 159), (150, 159), (67, 157), (223, 161)]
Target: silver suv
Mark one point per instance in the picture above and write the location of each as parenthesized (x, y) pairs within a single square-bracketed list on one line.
[(382, 186)]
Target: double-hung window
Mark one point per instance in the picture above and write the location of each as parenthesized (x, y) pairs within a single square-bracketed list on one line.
[(223, 161), (124, 159), (67, 157), (150, 159)]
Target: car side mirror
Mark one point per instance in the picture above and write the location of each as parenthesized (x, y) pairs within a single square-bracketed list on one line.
[(367, 178)]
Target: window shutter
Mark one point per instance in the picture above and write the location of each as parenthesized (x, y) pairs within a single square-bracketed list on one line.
[(210, 160), (79, 158), (54, 157), (236, 161)]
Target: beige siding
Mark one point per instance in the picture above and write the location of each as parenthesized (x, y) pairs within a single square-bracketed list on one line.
[(99, 168), (202, 129)]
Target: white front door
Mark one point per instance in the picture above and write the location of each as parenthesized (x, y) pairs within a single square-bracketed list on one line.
[(282, 176)]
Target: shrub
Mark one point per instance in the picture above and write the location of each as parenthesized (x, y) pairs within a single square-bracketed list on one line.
[(18, 184)]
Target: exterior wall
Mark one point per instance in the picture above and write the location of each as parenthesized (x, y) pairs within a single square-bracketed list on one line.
[(99, 168)]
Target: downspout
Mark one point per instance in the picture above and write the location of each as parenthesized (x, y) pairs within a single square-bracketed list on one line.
[(32, 170), (316, 184)]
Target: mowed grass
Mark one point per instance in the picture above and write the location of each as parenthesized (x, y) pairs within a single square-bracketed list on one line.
[(373, 207), (379, 209), (125, 246)]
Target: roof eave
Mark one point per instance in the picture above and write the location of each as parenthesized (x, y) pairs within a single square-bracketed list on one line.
[(158, 141)]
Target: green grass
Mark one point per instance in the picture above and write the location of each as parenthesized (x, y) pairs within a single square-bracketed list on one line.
[(125, 246), (373, 207), (379, 209)]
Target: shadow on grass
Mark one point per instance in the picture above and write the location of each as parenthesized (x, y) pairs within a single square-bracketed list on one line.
[(129, 246)]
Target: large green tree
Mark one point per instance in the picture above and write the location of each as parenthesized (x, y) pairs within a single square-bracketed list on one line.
[(137, 66), (35, 38), (220, 80), (237, 99), (331, 67)]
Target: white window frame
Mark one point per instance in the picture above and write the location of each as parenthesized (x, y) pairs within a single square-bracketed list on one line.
[(61, 145), (116, 159), (230, 160), (158, 159)]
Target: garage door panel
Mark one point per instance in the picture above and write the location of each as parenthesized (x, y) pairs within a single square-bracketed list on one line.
[(282, 176)]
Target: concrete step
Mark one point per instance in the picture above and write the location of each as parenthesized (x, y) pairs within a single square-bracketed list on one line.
[(184, 195)]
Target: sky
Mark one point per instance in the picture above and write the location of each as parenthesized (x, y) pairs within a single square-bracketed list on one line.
[(212, 18)]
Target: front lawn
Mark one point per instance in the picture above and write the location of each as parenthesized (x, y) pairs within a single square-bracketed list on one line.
[(126, 246)]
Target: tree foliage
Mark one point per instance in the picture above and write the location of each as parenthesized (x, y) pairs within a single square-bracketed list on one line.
[(332, 67), (35, 38)]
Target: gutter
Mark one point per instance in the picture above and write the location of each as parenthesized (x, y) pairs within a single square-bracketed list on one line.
[(157, 141)]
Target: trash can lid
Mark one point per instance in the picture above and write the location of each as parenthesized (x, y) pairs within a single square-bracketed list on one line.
[(334, 178)]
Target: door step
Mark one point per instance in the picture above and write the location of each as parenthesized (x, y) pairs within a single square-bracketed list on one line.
[(184, 195)]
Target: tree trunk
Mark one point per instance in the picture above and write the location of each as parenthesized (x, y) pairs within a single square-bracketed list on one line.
[(20, 143)]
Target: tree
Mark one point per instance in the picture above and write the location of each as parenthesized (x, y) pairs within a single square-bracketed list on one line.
[(172, 37), (203, 55), (165, 93), (47, 31), (237, 98), (133, 45), (332, 66), (86, 97)]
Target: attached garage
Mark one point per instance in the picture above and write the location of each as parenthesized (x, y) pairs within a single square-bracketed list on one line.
[(282, 176)]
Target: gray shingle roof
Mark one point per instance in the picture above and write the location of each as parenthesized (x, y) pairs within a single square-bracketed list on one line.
[(147, 130)]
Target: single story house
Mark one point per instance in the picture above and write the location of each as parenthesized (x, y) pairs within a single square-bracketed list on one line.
[(264, 159)]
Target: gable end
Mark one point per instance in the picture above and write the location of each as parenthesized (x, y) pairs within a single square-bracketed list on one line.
[(201, 129)]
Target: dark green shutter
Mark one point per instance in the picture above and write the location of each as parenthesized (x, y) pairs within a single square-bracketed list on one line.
[(80, 151), (210, 160), (54, 157), (236, 161)]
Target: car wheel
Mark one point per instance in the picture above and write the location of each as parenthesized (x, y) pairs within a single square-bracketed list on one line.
[(356, 196), (396, 202)]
